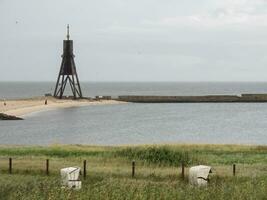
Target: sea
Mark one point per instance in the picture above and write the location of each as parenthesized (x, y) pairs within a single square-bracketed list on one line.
[(138, 123)]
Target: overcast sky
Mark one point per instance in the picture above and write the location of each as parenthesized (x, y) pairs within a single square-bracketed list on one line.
[(135, 40)]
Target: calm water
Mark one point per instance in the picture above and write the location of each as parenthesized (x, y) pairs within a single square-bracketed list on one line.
[(27, 89), (240, 123)]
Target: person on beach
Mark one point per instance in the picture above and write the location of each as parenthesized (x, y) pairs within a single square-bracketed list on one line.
[(45, 101), (4, 102)]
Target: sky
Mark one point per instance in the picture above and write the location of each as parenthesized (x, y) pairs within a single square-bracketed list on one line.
[(135, 40)]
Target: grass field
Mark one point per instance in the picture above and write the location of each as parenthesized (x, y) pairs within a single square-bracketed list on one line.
[(158, 172)]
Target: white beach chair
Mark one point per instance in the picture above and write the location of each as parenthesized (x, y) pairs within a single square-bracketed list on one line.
[(199, 175), (70, 177)]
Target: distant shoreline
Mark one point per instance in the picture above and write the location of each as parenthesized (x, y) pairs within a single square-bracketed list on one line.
[(22, 107)]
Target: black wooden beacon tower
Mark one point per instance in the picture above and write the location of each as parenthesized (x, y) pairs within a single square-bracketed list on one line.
[(68, 71)]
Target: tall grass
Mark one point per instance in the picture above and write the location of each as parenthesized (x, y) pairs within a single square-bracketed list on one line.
[(22, 187), (52, 152), (161, 155), (157, 172), (172, 155)]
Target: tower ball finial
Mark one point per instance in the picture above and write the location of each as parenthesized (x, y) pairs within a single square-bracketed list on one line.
[(68, 32)]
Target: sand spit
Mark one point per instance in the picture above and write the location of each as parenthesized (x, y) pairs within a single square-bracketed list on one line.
[(20, 107)]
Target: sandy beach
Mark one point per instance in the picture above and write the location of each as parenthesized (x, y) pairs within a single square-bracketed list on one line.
[(21, 107)]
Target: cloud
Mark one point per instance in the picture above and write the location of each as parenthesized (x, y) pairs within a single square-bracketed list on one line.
[(229, 13)]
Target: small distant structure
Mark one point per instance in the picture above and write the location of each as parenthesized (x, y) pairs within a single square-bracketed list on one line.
[(48, 95), (68, 72), (98, 98)]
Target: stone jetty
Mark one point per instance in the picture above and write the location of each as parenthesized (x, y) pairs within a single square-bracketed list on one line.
[(9, 117), (251, 98)]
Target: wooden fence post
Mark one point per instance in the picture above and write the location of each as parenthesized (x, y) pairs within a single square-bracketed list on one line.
[(133, 168), (182, 171), (234, 169), (84, 169), (10, 165), (47, 167)]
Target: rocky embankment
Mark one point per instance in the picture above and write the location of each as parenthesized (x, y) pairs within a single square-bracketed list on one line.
[(9, 117), (252, 98)]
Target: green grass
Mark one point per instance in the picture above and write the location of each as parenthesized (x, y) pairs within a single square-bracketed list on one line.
[(157, 172)]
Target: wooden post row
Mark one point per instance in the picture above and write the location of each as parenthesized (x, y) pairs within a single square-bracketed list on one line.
[(182, 170), (133, 168), (10, 165), (234, 169), (84, 169), (47, 167)]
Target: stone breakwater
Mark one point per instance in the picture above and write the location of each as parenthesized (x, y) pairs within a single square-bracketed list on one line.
[(253, 98), (9, 117)]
